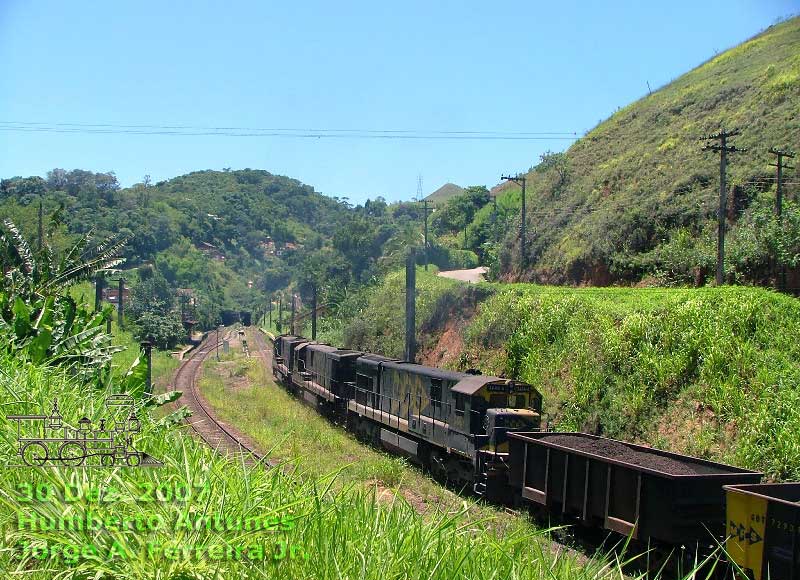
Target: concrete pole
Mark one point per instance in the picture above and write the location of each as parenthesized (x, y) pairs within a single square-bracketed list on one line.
[(147, 346), (721, 215), (120, 306), (411, 275), (314, 312)]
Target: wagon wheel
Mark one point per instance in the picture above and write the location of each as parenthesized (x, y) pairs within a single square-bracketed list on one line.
[(72, 453), (133, 459), (437, 464), (107, 460), (34, 453)]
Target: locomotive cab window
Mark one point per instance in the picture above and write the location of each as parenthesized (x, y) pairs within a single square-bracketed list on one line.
[(364, 382), (519, 402), (498, 400), (436, 392), (459, 404)]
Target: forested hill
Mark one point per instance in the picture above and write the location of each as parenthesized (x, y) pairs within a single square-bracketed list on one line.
[(636, 197), (233, 237)]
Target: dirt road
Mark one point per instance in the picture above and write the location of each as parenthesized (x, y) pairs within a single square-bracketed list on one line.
[(472, 276)]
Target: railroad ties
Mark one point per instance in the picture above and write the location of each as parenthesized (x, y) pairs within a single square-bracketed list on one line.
[(216, 435)]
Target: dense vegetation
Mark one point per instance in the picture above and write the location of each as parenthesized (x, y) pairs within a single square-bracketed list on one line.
[(636, 197), (79, 523), (234, 237), (711, 372)]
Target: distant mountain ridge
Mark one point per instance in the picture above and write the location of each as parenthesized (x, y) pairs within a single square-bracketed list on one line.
[(445, 192)]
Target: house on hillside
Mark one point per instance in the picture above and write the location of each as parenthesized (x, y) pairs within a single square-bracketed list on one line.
[(211, 251), (267, 247), (111, 294)]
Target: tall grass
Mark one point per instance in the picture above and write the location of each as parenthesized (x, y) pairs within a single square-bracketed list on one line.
[(344, 531)]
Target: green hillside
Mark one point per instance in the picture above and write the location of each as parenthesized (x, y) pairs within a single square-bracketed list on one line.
[(229, 235), (637, 197), (234, 238)]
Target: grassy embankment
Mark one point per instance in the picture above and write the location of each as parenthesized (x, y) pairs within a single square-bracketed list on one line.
[(636, 196), (712, 372), (344, 531)]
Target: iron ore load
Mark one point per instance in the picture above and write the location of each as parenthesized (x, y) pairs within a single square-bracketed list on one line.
[(484, 433), (640, 492)]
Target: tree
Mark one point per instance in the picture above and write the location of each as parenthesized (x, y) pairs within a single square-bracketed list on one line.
[(556, 162), (164, 331), (151, 294), (38, 318), (30, 274), (459, 211), (24, 189)]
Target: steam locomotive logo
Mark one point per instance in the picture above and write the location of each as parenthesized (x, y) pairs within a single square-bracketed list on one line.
[(48, 440)]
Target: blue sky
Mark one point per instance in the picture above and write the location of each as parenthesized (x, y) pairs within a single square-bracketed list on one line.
[(421, 66)]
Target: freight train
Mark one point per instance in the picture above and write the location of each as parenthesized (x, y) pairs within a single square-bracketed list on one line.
[(484, 432)]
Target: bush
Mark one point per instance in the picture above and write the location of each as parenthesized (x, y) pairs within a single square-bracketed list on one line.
[(164, 331), (449, 259), (710, 371)]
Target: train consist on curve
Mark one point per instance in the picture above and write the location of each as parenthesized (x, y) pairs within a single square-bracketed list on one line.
[(485, 432)]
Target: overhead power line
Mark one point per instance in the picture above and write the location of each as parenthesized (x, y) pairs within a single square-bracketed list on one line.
[(209, 128), (301, 133)]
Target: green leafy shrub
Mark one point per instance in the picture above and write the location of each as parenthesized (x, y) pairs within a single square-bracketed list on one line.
[(626, 362), (163, 330)]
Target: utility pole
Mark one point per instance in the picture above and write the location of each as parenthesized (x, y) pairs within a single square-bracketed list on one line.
[(294, 311), (270, 314), (780, 154), (724, 148), (314, 312), (494, 216), (411, 283), (280, 311), (425, 210), (98, 291), (40, 240), (120, 307), (147, 347), (424, 202), (523, 250)]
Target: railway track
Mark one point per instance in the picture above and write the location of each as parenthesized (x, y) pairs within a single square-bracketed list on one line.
[(263, 349), (203, 422)]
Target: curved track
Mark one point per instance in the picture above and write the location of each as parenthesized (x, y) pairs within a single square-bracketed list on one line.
[(203, 421)]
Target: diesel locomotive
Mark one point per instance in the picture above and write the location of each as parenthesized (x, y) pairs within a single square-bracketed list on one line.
[(455, 424)]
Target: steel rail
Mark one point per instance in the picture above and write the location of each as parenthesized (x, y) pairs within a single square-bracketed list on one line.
[(215, 434)]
